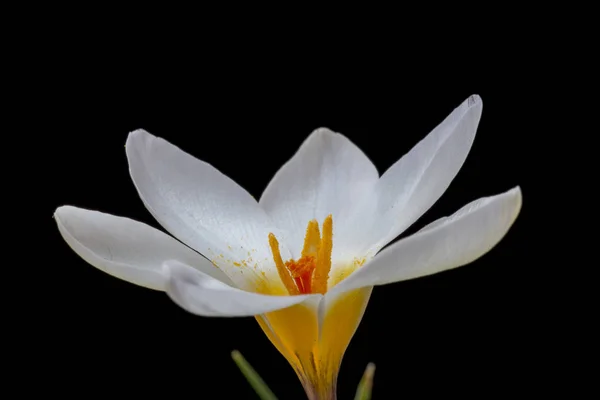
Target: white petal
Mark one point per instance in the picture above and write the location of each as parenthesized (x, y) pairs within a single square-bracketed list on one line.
[(326, 176), (415, 182), (201, 207), (200, 294), (449, 243), (124, 248)]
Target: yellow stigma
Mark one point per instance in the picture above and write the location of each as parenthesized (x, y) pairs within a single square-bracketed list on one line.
[(310, 273)]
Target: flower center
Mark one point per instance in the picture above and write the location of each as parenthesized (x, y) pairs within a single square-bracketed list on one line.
[(308, 274)]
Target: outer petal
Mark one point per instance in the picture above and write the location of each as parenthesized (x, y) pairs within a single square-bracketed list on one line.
[(415, 182), (448, 243), (203, 295), (201, 207), (124, 248), (326, 176)]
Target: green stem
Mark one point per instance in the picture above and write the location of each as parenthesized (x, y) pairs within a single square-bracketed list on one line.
[(363, 392), (259, 386)]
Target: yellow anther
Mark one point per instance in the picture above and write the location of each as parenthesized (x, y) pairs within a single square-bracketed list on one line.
[(312, 239), (310, 273), (321, 274), (284, 273)]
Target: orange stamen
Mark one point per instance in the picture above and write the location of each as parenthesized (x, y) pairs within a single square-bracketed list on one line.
[(321, 274), (310, 273), (284, 273), (312, 239)]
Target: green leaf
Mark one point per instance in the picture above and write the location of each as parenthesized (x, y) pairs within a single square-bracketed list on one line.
[(363, 392), (259, 386)]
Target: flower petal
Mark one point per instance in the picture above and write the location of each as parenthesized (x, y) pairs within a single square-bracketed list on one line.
[(313, 336), (203, 295), (453, 241), (415, 182), (326, 176), (201, 207), (125, 248)]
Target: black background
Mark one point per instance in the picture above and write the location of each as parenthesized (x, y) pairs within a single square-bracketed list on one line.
[(467, 331)]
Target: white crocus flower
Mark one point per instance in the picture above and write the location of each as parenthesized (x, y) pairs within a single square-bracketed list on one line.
[(305, 258)]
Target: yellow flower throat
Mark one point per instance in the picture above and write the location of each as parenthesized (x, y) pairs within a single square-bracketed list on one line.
[(314, 349), (310, 273)]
